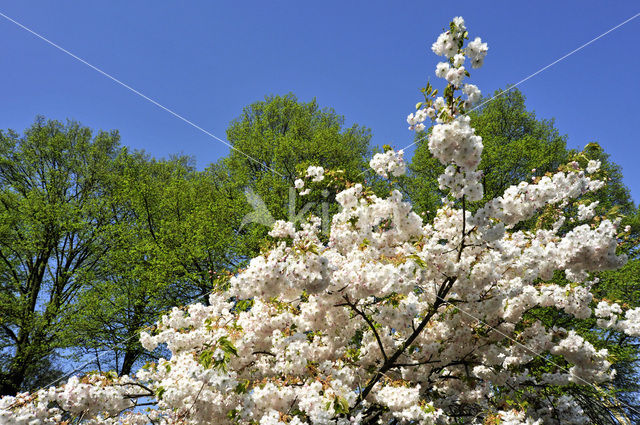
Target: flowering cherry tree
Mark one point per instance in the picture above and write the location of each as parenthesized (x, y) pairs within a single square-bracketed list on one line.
[(392, 320)]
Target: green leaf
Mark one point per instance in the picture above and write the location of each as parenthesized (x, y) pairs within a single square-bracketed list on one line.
[(242, 387), (226, 346), (160, 392), (341, 405), (419, 261)]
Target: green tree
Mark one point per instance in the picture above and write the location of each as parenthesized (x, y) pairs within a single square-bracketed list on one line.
[(128, 288), (279, 137), (174, 235), (54, 208)]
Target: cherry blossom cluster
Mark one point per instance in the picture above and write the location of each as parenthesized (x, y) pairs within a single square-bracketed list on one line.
[(444, 108), (461, 183), (609, 317), (100, 398), (476, 51), (452, 140), (390, 320), (456, 143), (389, 163), (416, 120), (593, 166), (587, 211), (522, 201), (314, 174), (448, 43), (514, 417)]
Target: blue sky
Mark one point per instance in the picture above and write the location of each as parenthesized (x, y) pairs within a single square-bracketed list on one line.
[(206, 60)]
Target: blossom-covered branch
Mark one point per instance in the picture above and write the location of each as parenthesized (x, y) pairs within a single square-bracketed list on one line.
[(392, 320)]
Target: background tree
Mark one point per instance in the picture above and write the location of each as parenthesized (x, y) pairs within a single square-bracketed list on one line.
[(174, 235), (54, 208), (284, 136), (129, 287)]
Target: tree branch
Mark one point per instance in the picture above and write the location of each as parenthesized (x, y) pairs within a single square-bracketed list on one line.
[(390, 362), (369, 322)]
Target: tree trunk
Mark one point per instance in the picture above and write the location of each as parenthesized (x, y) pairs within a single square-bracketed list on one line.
[(10, 383)]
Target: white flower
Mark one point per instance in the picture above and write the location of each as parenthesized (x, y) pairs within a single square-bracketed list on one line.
[(476, 51), (455, 76), (316, 173), (458, 60), (218, 354), (282, 229), (147, 341), (445, 45), (459, 22), (456, 142), (442, 68), (415, 120), (593, 166), (514, 417), (586, 212), (472, 92), (299, 183), (390, 162)]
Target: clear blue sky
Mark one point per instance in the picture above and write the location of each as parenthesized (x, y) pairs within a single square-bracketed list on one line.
[(206, 60)]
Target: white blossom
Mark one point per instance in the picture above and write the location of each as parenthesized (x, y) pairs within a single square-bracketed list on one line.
[(315, 173), (472, 92), (442, 68), (476, 51), (458, 60), (593, 166), (586, 212), (390, 162)]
